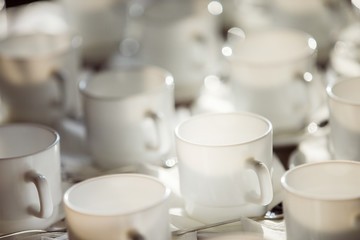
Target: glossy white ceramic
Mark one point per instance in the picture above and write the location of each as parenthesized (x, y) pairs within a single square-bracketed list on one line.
[(225, 165), (322, 200), (344, 108), (114, 206), (30, 186), (271, 73), (128, 115)]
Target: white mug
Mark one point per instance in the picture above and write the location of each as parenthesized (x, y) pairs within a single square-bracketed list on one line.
[(128, 115), (101, 25), (182, 37), (344, 109), (38, 77), (225, 165), (30, 186), (120, 206), (271, 71), (321, 201)]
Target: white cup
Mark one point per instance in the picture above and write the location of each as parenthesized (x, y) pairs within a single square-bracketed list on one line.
[(128, 115), (30, 186), (101, 24), (181, 36), (225, 165), (344, 108), (321, 201), (120, 206), (323, 19), (38, 77), (270, 74)]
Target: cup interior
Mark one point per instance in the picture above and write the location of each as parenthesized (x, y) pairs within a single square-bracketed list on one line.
[(333, 180), (125, 82), (346, 90), (223, 129), (20, 140), (116, 194)]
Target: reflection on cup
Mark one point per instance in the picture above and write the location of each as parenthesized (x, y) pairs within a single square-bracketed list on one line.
[(344, 108), (321, 201), (225, 165), (271, 74), (128, 116), (117, 207), (30, 186)]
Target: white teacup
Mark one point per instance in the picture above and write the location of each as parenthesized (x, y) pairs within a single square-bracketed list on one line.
[(38, 77), (128, 115), (182, 37), (225, 165), (321, 201), (30, 186), (271, 71), (101, 24), (120, 206), (344, 108)]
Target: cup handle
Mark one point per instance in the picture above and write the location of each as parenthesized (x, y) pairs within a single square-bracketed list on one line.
[(61, 84), (265, 183), (357, 220), (42, 187), (132, 234), (157, 119)]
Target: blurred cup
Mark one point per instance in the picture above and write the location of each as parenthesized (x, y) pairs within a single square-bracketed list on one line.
[(344, 108), (323, 19), (128, 116), (30, 186), (100, 23), (225, 165), (181, 36), (38, 77), (271, 73), (120, 206), (321, 201)]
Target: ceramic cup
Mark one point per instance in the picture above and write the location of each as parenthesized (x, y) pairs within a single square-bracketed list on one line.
[(322, 201), (271, 73), (30, 186), (101, 24), (38, 77), (180, 36), (344, 108), (128, 115), (225, 165), (120, 206)]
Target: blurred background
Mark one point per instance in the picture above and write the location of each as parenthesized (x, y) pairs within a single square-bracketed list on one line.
[(185, 37)]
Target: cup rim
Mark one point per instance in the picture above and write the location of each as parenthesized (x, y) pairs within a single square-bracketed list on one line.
[(333, 96), (37, 126), (73, 42), (68, 204), (205, 115), (168, 81), (305, 195), (311, 53)]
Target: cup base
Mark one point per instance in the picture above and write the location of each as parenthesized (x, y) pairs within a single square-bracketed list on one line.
[(211, 214), (31, 222)]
